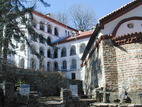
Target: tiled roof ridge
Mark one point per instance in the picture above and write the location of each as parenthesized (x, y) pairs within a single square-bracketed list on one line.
[(125, 35), (121, 40), (79, 35), (53, 20), (119, 9), (127, 38)]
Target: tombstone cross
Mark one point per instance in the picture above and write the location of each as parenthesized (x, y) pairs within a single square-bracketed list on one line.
[(105, 95)]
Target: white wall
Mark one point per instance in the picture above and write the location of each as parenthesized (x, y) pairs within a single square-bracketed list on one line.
[(27, 56), (123, 29), (109, 27)]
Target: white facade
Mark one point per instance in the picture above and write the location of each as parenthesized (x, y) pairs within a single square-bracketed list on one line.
[(109, 27), (54, 57)]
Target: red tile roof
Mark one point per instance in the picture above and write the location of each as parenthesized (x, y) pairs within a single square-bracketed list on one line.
[(53, 20), (81, 35), (120, 11)]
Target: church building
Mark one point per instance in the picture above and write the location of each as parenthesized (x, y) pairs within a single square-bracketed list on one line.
[(112, 60)]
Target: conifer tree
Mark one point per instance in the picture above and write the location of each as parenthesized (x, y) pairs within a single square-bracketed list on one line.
[(14, 13), (11, 11)]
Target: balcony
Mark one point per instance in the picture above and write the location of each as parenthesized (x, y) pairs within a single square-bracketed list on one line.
[(63, 68), (73, 67)]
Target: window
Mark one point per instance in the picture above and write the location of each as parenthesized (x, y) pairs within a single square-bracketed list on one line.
[(73, 76), (48, 41), (130, 25), (41, 64), (73, 64), (56, 53), (41, 26), (73, 50), (41, 39), (33, 49), (48, 66), (33, 38), (49, 29), (63, 52), (55, 66), (32, 64), (64, 65), (41, 51), (82, 48), (66, 32), (56, 31), (48, 53), (22, 63)]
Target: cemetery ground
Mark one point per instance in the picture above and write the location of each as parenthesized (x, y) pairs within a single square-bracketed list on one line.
[(24, 87)]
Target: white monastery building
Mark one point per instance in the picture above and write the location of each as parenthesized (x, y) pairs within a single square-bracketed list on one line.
[(61, 48)]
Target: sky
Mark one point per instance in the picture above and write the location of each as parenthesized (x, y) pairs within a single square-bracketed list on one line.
[(100, 7)]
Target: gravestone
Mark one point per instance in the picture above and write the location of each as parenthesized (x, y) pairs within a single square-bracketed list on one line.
[(8, 89), (24, 89), (105, 95), (65, 95), (24, 92), (74, 90)]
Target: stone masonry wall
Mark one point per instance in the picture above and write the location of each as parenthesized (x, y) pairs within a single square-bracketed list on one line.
[(93, 71), (109, 66), (129, 61)]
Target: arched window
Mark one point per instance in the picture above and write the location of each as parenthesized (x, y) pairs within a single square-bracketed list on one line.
[(82, 47), (73, 50), (56, 53), (56, 32), (33, 49), (32, 64), (73, 64), (41, 26), (41, 39), (41, 65), (66, 32), (48, 66), (33, 38), (49, 29), (64, 65), (22, 63), (63, 52), (48, 41), (55, 66), (41, 51), (49, 53)]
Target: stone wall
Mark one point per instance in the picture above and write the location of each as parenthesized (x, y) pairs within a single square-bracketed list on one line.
[(93, 72), (109, 66), (129, 61), (116, 69)]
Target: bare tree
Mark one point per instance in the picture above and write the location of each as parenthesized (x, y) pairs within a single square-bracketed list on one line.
[(83, 17), (63, 18)]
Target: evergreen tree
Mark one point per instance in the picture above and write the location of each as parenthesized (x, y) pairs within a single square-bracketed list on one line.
[(13, 12)]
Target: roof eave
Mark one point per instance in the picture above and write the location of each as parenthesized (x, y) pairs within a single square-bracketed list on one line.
[(91, 41)]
